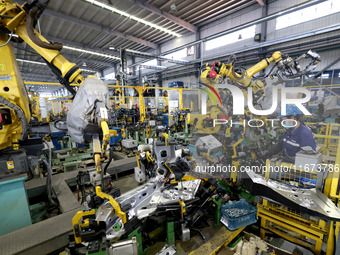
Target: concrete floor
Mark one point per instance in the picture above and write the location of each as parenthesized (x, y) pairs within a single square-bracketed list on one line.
[(126, 183), (288, 246)]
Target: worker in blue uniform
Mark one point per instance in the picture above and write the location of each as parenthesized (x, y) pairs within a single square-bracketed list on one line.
[(298, 136)]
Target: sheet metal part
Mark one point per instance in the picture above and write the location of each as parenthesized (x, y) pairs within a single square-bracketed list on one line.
[(185, 233), (163, 153), (210, 143), (167, 250), (184, 190), (135, 198), (143, 201), (310, 201), (124, 247)]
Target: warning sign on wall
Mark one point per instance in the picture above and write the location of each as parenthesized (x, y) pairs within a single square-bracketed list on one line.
[(10, 164)]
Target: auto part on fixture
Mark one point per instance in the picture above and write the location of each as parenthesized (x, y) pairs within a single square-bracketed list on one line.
[(310, 201)]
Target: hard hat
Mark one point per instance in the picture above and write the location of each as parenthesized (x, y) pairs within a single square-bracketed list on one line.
[(291, 110)]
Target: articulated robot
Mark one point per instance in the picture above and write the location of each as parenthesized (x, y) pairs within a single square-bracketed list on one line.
[(287, 68), (284, 69), (87, 118)]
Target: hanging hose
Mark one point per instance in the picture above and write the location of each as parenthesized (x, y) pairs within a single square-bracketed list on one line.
[(21, 116), (49, 153), (31, 17), (55, 125), (109, 162), (9, 39), (235, 74), (50, 192), (30, 169)]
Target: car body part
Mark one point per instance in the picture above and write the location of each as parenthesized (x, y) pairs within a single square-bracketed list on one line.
[(310, 201)]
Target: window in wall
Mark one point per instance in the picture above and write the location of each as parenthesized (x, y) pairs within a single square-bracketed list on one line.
[(152, 62), (325, 75), (191, 50), (180, 54), (309, 13), (234, 37), (110, 76)]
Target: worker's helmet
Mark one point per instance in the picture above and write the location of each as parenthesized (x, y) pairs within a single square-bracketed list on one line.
[(291, 110)]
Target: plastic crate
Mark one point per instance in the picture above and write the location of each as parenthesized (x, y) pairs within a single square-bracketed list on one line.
[(238, 214)]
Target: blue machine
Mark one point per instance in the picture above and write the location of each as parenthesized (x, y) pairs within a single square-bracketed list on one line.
[(176, 84), (14, 213), (166, 120), (56, 136), (115, 139)]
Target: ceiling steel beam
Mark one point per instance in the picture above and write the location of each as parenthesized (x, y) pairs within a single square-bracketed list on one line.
[(225, 13), (70, 57), (96, 27), (91, 61), (151, 56), (207, 14), (26, 74), (28, 69), (162, 68), (261, 2), (101, 28), (203, 8), (38, 76), (166, 15), (83, 47), (191, 7), (116, 26)]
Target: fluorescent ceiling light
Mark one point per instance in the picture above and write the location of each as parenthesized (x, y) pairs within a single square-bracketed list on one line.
[(32, 62), (42, 63), (90, 52), (127, 15), (88, 70)]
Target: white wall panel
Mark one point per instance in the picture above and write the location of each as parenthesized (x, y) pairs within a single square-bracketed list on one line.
[(280, 5), (241, 17), (177, 42), (108, 71), (327, 57)]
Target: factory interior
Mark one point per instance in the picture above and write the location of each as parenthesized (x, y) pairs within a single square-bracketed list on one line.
[(163, 127)]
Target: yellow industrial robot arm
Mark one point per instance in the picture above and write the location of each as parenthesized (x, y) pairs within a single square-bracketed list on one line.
[(212, 74), (287, 68), (20, 20)]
